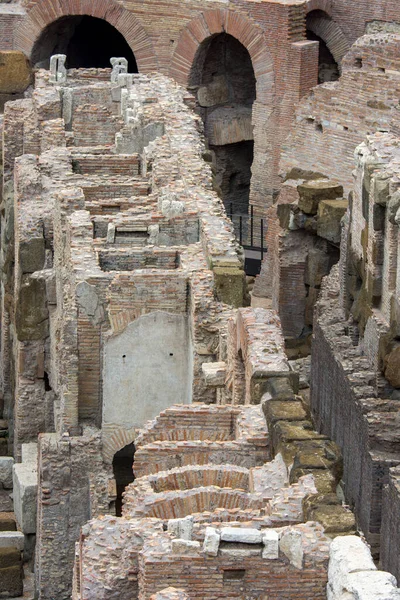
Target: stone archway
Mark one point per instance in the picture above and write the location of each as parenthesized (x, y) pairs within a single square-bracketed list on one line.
[(42, 14), (246, 31), (322, 26), (190, 44)]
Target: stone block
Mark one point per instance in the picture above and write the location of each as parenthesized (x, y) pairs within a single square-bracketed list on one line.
[(312, 192), (216, 92), (32, 255), (185, 547), (6, 503), (11, 581), (270, 540), (392, 367), (291, 545), (373, 585), (334, 518), (348, 554), (330, 213), (211, 541), (181, 528), (241, 535), (9, 557), (276, 410), (230, 285), (25, 495), (7, 521), (32, 314), (12, 539), (6, 472), (3, 446), (29, 453), (214, 374), (317, 266), (15, 72)]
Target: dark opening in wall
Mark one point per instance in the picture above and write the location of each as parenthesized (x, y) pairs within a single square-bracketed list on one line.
[(86, 41), (223, 78), (123, 473), (328, 69)]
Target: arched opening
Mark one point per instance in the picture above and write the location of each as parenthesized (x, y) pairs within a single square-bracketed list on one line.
[(123, 473), (82, 39), (321, 28), (328, 69), (223, 78)]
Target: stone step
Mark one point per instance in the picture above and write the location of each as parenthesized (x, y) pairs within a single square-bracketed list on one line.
[(7, 521), (12, 539)]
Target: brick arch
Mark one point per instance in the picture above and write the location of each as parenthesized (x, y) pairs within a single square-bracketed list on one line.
[(247, 32), (324, 5), (331, 33), (42, 13)]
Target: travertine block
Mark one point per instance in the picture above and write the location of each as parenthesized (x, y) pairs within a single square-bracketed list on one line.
[(330, 213), (12, 539), (25, 494), (291, 545), (242, 535), (211, 541), (270, 540), (6, 472), (214, 374), (185, 546), (312, 192)]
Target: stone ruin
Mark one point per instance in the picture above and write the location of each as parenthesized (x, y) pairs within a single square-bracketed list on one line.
[(167, 435)]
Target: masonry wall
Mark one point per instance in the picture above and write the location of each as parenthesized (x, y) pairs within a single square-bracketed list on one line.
[(204, 578)]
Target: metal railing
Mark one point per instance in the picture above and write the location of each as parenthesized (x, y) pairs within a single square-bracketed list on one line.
[(250, 231)]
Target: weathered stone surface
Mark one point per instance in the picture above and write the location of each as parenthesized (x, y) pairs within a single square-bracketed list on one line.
[(32, 314), (7, 521), (270, 540), (15, 72), (214, 374), (185, 547), (392, 367), (25, 495), (11, 581), (216, 92), (334, 518), (330, 213), (276, 410), (229, 125), (312, 192), (290, 544), (230, 285), (6, 469), (9, 557), (243, 535), (211, 541), (13, 539), (32, 255), (181, 528)]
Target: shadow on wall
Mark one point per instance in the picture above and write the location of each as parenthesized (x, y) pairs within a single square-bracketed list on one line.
[(87, 42), (123, 473)]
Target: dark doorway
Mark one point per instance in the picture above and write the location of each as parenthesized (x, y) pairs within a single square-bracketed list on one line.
[(223, 77), (87, 42), (328, 69), (123, 473)]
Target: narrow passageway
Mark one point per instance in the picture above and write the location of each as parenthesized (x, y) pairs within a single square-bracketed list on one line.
[(223, 77), (123, 473)]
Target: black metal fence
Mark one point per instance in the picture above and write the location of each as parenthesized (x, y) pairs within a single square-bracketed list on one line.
[(250, 231)]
